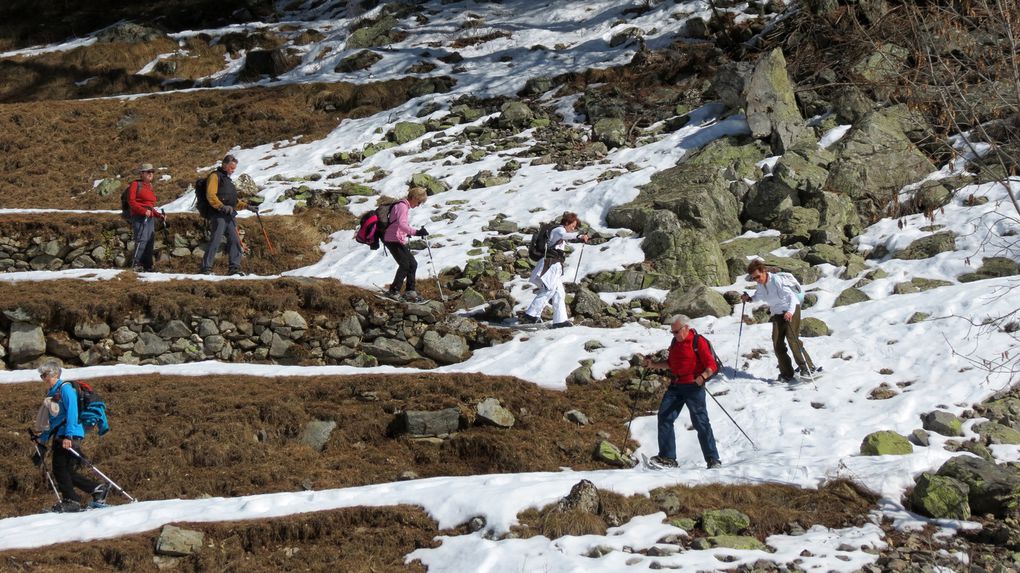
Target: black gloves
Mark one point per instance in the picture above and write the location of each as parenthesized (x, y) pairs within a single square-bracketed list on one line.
[(38, 455), (423, 232), (227, 210), (253, 207)]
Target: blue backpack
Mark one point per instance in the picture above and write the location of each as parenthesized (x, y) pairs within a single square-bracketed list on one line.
[(91, 408)]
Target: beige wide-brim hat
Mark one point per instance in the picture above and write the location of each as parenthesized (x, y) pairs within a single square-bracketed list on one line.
[(146, 167)]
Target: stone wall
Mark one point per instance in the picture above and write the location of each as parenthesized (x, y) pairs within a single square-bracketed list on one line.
[(419, 335)]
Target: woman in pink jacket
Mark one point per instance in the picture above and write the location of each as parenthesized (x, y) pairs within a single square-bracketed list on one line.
[(395, 240)]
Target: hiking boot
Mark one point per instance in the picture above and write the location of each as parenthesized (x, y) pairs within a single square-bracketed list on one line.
[(528, 319), (712, 464), (786, 379), (205, 271), (66, 506), (663, 461), (99, 494), (139, 269), (412, 296), (235, 273), (564, 324)]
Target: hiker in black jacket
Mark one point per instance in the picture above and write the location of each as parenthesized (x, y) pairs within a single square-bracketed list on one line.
[(222, 197)]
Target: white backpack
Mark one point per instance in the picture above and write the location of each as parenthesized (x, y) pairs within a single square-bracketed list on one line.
[(788, 280)]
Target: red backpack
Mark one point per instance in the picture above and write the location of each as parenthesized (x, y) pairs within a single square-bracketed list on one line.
[(373, 225)]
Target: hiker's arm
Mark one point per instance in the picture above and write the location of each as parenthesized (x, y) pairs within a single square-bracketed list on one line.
[(705, 353), (212, 189)]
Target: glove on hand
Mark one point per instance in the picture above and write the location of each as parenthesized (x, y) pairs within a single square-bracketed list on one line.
[(423, 232), (253, 208), (37, 456), (227, 210), (160, 214)]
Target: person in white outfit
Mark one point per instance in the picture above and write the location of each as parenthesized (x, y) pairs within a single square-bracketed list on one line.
[(548, 274)]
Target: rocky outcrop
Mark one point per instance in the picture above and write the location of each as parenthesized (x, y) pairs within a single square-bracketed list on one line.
[(772, 112)]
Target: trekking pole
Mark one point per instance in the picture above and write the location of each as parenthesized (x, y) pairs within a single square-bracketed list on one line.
[(269, 243), (633, 406), (42, 466), (93, 467), (579, 257), (434, 271), (740, 332), (753, 445)]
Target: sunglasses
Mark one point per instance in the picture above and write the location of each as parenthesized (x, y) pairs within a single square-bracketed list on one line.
[(681, 329)]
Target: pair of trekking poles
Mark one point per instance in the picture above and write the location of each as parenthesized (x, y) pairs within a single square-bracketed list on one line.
[(84, 461)]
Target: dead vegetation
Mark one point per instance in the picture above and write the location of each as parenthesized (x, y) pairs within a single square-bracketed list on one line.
[(53, 151), (355, 540), (773, 508), (188, 437)]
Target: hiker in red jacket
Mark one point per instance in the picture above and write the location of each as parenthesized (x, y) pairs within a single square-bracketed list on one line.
[(690, 370), (142, 202)]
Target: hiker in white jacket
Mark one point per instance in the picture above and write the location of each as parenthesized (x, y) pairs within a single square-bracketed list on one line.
[(784, 304), (548, 274)]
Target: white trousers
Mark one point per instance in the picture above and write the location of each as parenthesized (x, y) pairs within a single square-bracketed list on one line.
[(550, 291)]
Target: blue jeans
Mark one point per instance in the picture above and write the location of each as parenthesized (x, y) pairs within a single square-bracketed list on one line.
[(673, 401)]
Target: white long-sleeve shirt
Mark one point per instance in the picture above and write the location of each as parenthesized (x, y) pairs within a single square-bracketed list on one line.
[(780, 298)]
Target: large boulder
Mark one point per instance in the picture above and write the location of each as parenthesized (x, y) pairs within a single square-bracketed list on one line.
[(696, 190), (771, 106), (25, 343), (270, 63), (927, 247), (874, 160), (491, 412), (724, 522), (445, 349), (695, 302), (941, 497), (682, 255), (391, 351), (941, 422), (992, 489), (426, 423)]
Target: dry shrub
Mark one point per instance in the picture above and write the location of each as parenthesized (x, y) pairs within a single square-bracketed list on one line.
[(556, 524), (474, 40)]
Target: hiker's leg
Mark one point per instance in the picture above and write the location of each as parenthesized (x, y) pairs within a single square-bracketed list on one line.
[(233, 244), (399, 253), (796, 346), (699, 419), (558, 300), (669, 409), (412, 268), (80, 481), (538, 303), (62, 464), (779, 328), (144, 232), (218, 225)]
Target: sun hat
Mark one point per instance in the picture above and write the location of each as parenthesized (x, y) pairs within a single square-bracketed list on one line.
[(146, 167)]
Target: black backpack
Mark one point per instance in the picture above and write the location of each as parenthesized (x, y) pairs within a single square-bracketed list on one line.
[(697, 355), (201, 200), (125, 205), (91, 408), (540, 241)]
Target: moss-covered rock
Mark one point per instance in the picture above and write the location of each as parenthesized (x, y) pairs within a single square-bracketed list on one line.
[(607, 452), (885, 443), (724, 522), (927, 247), (405, 131), (850, 296), (991, 267), (811, 327), (684, 257), (996, 433), (940, 422), (373, 33), (941, 497), (992, 489), (695, 302)]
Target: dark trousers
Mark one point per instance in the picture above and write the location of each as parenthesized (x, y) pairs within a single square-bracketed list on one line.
[(673, 401), (784, 333), (223, 225), (144, 229), (406, 266), (65, 472)]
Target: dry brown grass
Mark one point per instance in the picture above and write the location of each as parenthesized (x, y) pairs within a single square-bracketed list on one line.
[(187, 436), (53, 151), (771, 507), (355, 540)]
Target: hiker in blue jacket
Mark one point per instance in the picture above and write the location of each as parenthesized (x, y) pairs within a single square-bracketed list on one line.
[(67, 433)]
